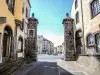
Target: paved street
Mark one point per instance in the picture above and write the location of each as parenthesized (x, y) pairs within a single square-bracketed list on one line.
[(53, 65), (49, 58), (48, 66), (45, 68)]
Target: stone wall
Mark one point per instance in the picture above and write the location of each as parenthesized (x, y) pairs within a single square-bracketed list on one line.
[(31, 48)]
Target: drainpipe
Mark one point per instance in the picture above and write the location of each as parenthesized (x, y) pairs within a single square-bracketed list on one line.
[(83, 27)]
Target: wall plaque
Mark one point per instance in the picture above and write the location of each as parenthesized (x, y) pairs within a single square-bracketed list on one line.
[(2, 20)]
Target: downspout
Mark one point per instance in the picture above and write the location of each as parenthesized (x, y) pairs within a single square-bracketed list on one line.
[(83, 28)]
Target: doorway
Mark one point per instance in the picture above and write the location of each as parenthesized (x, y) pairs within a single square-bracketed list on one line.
[(7, 43), (97, 41), (78, 40)]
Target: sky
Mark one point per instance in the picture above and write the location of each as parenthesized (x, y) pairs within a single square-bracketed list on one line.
[(50, 14)]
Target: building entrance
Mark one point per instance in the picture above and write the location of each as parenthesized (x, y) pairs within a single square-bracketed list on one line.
[(7, 43)]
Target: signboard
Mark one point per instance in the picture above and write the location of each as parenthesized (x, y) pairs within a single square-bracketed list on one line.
[(2, 20), (19, 55)]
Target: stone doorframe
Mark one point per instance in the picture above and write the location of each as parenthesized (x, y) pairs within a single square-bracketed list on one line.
[(0, 47), (78, 42), (7, 35)]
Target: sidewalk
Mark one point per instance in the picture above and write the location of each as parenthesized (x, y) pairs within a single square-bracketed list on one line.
[(25, 69), (76, 69)]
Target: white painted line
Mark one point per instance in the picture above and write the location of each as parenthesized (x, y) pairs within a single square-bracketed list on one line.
[(52, 67), (45, 66)]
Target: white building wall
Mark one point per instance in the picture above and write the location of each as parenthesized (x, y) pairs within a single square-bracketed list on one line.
[(26, 5), (91, 25), (40, 43), (47, 46), (23, 33)]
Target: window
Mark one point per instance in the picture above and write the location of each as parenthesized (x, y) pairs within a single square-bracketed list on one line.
[(39, 47), (26, 13), (11, 4), (90, 40), (77, 17), (31, 33), (20, 44), (23, 10), (25, 27), (97, 41), (22, 25), (76, 4), (95, 9)]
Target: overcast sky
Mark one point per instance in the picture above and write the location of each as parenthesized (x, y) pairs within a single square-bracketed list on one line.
[(50, 14)]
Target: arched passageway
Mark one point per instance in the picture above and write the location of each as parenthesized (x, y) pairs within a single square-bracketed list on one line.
[(7, 42), (78, 41)]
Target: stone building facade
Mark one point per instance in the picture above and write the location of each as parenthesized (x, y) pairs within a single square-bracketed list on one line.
[(40, 43), (59, 49), (55, 50), (21, 30), (69, 38), (87, 31), (63, 50), (51, 51), (31, 41), (47, 46)]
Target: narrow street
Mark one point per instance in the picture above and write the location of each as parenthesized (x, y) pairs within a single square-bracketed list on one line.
[(46, 65), (45, 68), (50, 37), (50, 65)]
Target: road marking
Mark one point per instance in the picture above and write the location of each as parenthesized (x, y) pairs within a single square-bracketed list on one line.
[(49, 67), (45, 66), (53, 67), (58, 71)]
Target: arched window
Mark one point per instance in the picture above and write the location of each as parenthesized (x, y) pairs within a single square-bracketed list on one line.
[(90, 40), (76, 4), (31, 33), (97, 41), (77, 17), (20, 44)]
